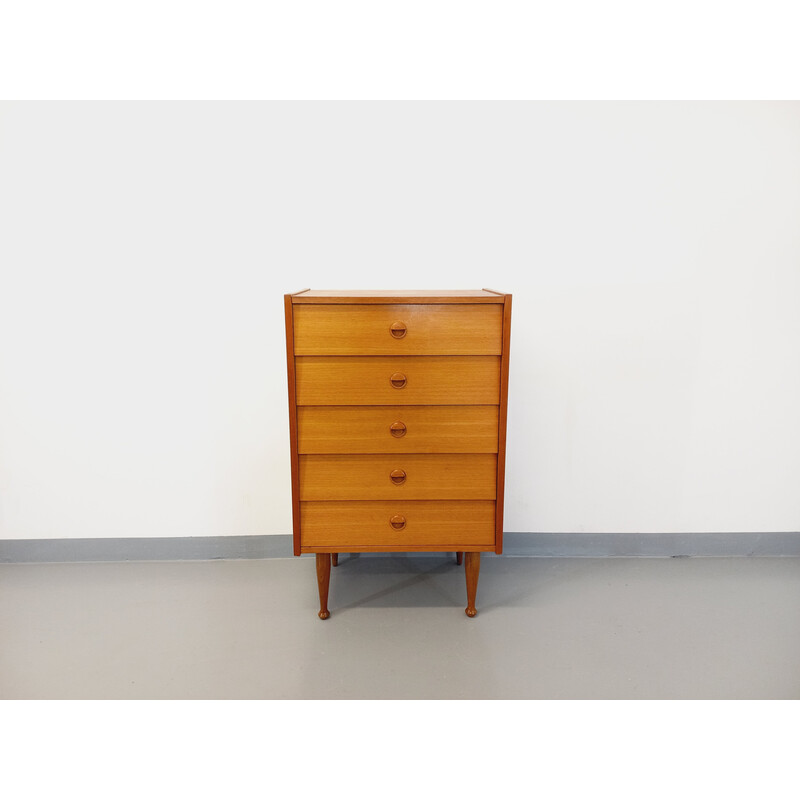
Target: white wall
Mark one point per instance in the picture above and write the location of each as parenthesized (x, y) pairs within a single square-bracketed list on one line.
[(653, 250)]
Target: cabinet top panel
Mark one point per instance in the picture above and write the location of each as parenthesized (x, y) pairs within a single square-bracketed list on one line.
[(398, 296)]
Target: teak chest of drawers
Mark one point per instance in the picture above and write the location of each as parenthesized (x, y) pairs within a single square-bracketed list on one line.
[(397, 421)]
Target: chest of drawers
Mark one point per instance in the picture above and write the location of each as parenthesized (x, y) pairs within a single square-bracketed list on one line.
[(397, 422)]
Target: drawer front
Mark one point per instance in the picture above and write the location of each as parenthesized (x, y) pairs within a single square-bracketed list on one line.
[(412, 380), (398, 477), (453, 524), (397, 429), (420, 329)]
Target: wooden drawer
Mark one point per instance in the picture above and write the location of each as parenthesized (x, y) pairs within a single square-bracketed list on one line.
[(398, 477), (384, 380), (414, 329), (424, 429), (449, 524)]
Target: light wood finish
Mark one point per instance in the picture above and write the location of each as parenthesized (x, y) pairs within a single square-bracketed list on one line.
[(368, 429), (431, 380), (398, 477), (295, 462), (323, 582), (342, 525), (502, 422), (398, 413), (322, 296), (472, 567), (366, 330), (406, 548)]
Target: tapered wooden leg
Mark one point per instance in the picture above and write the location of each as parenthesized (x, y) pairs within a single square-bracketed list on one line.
[(459, 558), (324, 581), (472, 567), (335, 559)]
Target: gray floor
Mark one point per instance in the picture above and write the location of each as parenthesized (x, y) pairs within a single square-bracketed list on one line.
[(546, 628)]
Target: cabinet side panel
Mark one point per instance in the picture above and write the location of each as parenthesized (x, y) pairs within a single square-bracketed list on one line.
[(501, 428), (290, 374)]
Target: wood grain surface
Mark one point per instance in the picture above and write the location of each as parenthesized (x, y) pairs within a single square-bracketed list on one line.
[(339, 525), (437, 547), (324, 296), (416, 477), (502, 421), (287, 306), (475, 329), (365, 380), (366, 429)]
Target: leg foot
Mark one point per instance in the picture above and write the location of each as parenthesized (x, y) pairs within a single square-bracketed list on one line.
[(323, 582), (335, 559), (459, 559), (472, 566)]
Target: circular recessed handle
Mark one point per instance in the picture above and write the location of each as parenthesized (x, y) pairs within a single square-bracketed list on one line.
[(398, 522), (397, 476), (398, 429), (398, 380), (398, 330)]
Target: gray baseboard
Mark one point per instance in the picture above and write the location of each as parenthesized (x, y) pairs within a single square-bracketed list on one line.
[(652, 545), (541, 545), (167, 548)]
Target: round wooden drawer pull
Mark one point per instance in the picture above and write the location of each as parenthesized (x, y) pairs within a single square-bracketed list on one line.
[(398, 329), (398, 522), (398, 380), (397, 476), (398, 429)]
